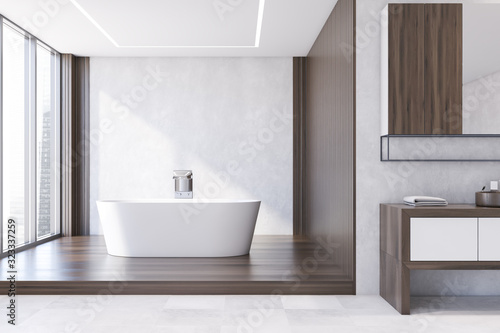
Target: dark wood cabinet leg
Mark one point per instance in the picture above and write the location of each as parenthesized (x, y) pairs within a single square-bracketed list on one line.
[(405, 290)]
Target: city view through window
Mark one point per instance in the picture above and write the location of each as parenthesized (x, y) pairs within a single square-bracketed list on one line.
[(30, 136)]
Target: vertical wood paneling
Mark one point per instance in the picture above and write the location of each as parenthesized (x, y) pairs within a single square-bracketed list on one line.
[(406, 68), (299, 149), (425, 69), (329, 189), (75, 139), (82, 127), (443, 68)]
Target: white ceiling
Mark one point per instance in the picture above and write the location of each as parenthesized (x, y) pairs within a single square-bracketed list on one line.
[(223, 28), (481, 41)]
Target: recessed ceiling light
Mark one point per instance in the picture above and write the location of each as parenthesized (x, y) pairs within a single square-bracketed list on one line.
[(258, 31), (259, 23)]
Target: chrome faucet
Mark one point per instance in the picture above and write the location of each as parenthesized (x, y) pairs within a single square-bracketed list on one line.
[(183, 184)]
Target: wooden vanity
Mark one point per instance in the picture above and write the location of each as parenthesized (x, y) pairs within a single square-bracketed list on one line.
[(453, 237)]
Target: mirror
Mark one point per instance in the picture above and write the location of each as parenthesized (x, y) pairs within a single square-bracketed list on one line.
[(481, 68)]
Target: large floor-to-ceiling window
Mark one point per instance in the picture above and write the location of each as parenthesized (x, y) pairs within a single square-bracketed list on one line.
[(30, 138)]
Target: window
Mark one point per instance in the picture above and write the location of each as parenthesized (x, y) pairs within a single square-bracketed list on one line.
[(47, 145), (14, 121), (30, 136)]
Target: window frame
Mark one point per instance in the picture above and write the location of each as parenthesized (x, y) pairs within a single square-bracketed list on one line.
[(55, 83), (31, 221)]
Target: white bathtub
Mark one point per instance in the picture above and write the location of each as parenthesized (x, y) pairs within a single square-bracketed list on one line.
[(178, 227)]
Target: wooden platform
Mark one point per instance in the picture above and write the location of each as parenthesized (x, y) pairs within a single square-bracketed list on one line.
[(81, 265)]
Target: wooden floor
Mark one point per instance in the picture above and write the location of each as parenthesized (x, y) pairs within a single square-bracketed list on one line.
[(81, 265)]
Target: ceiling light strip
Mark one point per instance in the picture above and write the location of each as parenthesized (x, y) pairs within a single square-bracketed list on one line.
[(259, 22), (258, 32), (94, 22)]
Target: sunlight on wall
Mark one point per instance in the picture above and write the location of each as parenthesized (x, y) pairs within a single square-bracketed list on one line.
[(213, 116)]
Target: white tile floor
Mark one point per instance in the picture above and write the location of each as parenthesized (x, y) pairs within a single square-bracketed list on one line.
[(249, 314)]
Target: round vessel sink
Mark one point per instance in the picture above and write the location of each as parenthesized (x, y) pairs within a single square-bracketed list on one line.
[(488, 198)]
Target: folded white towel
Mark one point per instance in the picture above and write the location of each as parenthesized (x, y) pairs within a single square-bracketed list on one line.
[(424, 201)]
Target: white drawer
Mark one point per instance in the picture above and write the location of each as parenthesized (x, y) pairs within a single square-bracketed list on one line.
[(443, 239), (489, 239)]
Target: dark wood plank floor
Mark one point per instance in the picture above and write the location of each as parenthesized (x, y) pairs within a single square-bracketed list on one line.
[(81, 265)]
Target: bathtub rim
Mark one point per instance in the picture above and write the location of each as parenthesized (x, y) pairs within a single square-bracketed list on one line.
[(184, 201)]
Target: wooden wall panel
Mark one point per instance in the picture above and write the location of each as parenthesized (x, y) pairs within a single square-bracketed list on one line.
[(443, 70), (425, 68), (75, 180), (299, 143), (406, 69), (329, 188)]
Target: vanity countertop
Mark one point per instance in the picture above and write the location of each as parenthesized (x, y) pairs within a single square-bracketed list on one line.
[(455, 210)]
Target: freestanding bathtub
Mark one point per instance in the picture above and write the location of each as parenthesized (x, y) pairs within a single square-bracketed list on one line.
[(178, 227)]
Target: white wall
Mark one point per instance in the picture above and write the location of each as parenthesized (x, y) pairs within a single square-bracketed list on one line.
[(383, 182), (482, 105), (150, 116)]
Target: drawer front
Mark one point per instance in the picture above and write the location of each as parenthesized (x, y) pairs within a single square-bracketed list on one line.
[(489, 239), (443, 239)]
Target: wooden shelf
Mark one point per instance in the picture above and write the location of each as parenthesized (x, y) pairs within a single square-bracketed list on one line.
[(453, 265)]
